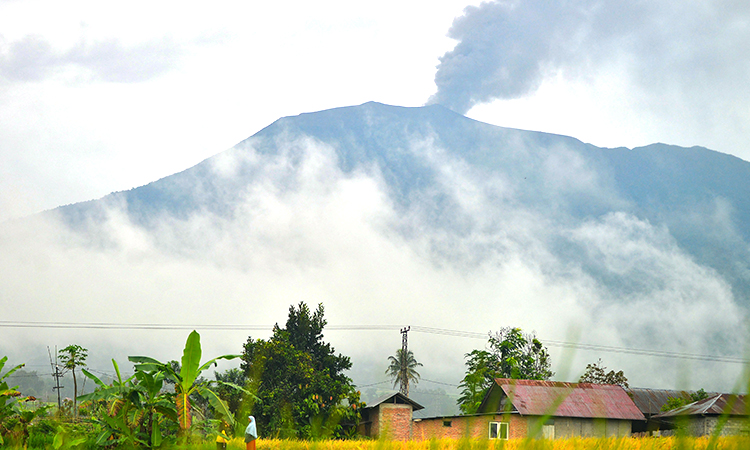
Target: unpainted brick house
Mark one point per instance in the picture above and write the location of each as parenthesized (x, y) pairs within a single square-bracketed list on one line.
[(515, 409)]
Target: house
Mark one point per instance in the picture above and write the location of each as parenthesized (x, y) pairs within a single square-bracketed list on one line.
[(390, 416), (650, 402), (516, 409), (544, 409), (726, 414), (553, 409)]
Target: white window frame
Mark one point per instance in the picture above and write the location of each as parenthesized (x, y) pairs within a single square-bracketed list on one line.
[(501, 430)]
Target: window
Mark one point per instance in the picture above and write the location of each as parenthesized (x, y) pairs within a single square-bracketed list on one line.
[(447, 423), (498, 430)]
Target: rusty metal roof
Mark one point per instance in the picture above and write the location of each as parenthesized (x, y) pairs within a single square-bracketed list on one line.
[(650, 401), (537, 398), (396, 397), (730, 404)]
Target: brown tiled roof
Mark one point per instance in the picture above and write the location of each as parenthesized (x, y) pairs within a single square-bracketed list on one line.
[(537, 398)]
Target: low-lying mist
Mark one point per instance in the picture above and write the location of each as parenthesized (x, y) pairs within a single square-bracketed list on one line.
[(464, 253)]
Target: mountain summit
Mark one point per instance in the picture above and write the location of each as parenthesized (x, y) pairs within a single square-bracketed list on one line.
[(414, 216), (427, 159)]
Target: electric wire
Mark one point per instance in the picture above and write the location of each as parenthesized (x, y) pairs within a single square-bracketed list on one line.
[(416, 328), (439, 382)]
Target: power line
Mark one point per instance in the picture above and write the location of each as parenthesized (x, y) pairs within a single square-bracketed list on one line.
[(603, 348), (129, 326), (163, 326), (373, 384), (420, 329), (439, 382)]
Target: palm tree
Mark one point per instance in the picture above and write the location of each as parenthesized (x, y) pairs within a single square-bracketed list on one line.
[(402, 369)]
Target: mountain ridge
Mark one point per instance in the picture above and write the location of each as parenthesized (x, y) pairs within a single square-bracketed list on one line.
[(677, 187)]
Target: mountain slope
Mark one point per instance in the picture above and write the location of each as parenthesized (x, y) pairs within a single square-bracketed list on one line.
[(395, 216), (701, 196)]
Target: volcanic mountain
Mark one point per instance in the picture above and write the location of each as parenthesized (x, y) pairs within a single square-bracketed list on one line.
[(427, 159), (395, 216)]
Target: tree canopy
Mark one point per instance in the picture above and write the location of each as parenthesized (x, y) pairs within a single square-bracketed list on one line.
[(299, 380), (596, 373), (71, 357), (686, 399), (510, 353)]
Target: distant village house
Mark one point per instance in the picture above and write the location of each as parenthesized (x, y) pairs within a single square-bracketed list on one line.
[(722, 414), (514, 409)]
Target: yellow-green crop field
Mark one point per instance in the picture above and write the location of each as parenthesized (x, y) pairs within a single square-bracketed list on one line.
[(656, 443)]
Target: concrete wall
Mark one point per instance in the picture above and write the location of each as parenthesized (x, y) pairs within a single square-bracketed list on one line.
[(565, 427), (705, 426)]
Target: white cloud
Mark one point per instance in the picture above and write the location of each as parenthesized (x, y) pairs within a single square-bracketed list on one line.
[(302, 230)]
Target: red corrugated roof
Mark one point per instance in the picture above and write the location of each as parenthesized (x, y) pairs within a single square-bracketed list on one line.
[(537, 398)]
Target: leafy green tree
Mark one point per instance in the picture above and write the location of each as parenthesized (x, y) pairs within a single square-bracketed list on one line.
[(679, 402), (231, 396), (596, 373), (510, 354), (71, 357), (403, 369), (299, 380)]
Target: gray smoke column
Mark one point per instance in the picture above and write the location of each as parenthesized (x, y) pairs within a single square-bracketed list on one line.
[(504, 51), (689, 51)]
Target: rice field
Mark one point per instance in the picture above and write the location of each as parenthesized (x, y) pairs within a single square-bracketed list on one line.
[(656, 443)]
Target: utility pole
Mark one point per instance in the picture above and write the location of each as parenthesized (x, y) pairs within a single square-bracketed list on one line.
[(404, 352), (57, 374)]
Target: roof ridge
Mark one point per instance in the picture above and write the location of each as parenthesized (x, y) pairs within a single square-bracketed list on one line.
[(712, 403)]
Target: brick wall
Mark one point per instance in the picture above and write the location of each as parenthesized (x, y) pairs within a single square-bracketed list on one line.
[(518, 427), (395, 421), (472, 426)]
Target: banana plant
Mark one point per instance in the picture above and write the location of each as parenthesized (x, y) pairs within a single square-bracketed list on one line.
[(135, 409), (186, 381), (8, 394), (155, 403), (118, 388), (121, 396)]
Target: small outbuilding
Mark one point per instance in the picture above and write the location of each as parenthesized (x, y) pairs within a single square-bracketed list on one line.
[(725, 414), (389, 416), (651, 402)]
